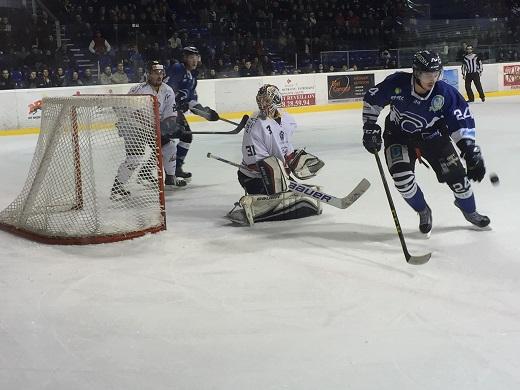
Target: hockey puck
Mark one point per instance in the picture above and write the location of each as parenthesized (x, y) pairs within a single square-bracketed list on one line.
[(493, 177)]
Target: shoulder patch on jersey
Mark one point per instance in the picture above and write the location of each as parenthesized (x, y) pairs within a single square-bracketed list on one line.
[(250, 123), (437, 103)]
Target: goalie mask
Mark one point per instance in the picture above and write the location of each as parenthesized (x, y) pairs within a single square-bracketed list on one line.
[(269, 100)]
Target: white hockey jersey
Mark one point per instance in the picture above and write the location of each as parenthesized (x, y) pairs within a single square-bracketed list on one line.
[(165, 97), (264, 137)]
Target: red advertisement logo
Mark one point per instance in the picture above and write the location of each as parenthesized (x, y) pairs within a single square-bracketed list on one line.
[(302, 99), (35, 106), (512, 75)]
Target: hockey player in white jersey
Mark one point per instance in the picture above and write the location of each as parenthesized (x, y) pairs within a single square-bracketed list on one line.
[(170, 129), (267, 157)]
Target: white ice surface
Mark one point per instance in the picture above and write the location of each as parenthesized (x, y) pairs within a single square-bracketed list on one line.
[(319, 303)]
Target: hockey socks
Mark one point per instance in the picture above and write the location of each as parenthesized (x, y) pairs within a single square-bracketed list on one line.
[(417, 201), (182, 151)]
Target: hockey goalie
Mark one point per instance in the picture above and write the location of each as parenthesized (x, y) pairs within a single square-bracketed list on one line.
[(268, 160)]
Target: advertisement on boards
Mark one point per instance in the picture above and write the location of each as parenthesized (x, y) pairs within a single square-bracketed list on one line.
[(296, 90), (512, 76), (451, 76), (349, 87)]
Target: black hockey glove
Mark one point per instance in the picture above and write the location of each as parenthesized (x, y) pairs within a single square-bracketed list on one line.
[(171, 129), (372, 137), (474, 161), (205, 112)]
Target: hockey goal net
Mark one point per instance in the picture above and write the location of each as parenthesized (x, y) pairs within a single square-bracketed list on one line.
[(67, 196)]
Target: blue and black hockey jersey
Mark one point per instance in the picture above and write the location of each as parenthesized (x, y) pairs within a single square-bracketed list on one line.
[(184, 84), (442, 111)]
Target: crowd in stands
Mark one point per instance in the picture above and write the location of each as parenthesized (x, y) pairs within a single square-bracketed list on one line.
[(236, 38)]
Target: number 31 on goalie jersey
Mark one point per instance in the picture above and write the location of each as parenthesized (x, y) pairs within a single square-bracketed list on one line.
[(250, 150)]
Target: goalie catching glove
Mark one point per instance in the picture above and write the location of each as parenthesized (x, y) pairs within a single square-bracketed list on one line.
[(205, 112), (304, 165)]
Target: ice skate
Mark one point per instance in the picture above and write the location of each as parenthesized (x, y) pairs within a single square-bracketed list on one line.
[(170, 182), (425, 221), (475, 218), (179, 172)]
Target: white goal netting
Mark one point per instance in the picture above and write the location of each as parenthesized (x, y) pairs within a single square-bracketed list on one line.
[(83, 141)]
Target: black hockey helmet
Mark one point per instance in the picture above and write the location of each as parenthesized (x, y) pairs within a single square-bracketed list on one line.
[(154, 65), (188, 50), (426, 61)]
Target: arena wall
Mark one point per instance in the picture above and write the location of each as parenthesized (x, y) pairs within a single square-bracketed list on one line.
[(232, 98)]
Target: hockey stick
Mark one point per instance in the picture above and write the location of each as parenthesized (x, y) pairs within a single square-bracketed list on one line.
[(416, 260), (305, 190), (237, 130)]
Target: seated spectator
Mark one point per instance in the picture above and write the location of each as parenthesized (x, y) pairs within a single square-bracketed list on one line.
[(35, 58), (175, 44), (32, 80), (88, 79), (106, 76), (59, 78), (267, 65), (119, 77), (136, 59), (63, 58), (6, 81), (44, 79), (212, 74), (75, 81), (247, 70), (49, 60), (387, 61), (235, 72), (139, 76)]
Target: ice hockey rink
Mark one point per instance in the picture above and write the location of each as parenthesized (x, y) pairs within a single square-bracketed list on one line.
[(319, 303)]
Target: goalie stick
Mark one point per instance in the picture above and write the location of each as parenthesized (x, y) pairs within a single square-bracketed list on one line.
[(305, 190), (415, 260)]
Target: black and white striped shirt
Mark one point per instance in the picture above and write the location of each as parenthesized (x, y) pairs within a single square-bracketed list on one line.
[(471, 64)]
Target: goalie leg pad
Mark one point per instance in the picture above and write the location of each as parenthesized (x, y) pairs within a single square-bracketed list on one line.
[(273, 175), (305, 165), (278, 207)]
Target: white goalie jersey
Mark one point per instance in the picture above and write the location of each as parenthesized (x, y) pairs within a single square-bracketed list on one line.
[(264, 137)]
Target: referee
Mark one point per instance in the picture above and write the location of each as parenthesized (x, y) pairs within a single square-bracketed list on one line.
[(471, 70)]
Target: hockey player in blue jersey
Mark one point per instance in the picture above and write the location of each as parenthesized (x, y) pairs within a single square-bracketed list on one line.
[(426, 117), (182, 77)]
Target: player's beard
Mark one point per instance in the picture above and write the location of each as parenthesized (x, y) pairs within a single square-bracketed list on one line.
[(156, 82)]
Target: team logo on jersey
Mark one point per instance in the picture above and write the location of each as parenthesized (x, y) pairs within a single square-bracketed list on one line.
[(437, 103)]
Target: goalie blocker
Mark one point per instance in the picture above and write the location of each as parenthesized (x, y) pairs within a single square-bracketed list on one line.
[(272, 201)]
